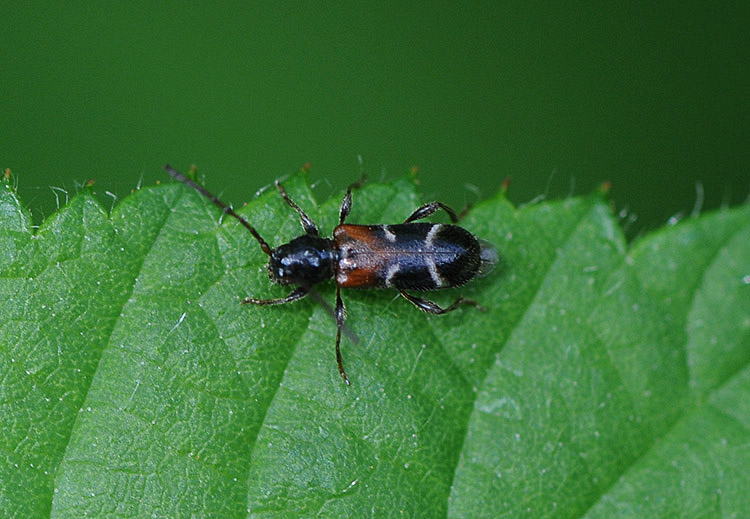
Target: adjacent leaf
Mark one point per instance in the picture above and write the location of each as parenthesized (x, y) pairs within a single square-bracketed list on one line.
[(602, 381), (599, 370)]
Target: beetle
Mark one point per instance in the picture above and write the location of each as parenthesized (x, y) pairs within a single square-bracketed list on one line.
[(406, 256)]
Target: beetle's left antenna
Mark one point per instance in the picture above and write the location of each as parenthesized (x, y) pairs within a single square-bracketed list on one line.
[(221, 205)]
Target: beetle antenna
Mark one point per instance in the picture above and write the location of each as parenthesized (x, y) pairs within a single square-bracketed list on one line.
[(221, 205)]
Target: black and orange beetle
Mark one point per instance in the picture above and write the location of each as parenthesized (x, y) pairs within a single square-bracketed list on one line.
[(405, 256)]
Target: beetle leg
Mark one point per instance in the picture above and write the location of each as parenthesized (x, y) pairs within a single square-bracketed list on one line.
[(340, 316), (297, 293), (346, 203), (427, 209), (433, 308), (329, 309), (307, 224), (346, 206)]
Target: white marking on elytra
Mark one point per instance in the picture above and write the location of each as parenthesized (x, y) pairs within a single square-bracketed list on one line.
[(347, 264), (392, 270), (430, 238), (346, 261), (434, 274), (389, 234)]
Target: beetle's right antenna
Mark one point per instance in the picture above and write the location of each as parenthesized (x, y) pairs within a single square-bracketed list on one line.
[(221, 205)]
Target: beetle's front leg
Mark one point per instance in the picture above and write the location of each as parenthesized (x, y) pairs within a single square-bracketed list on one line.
[(297, 293)]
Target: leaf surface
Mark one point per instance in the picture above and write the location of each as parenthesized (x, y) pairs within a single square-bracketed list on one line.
[(603, 379)]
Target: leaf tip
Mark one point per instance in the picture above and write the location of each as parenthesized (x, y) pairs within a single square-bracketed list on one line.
[(411, 175), (505, 185), (7, 175)]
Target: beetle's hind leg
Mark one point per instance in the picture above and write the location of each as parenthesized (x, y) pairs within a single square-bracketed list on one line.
[(427, 209), (432, 307)]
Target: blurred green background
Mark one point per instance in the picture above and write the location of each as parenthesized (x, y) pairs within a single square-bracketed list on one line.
[(559, 97)]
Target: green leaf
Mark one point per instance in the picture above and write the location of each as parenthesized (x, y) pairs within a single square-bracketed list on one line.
[(604, 380)]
